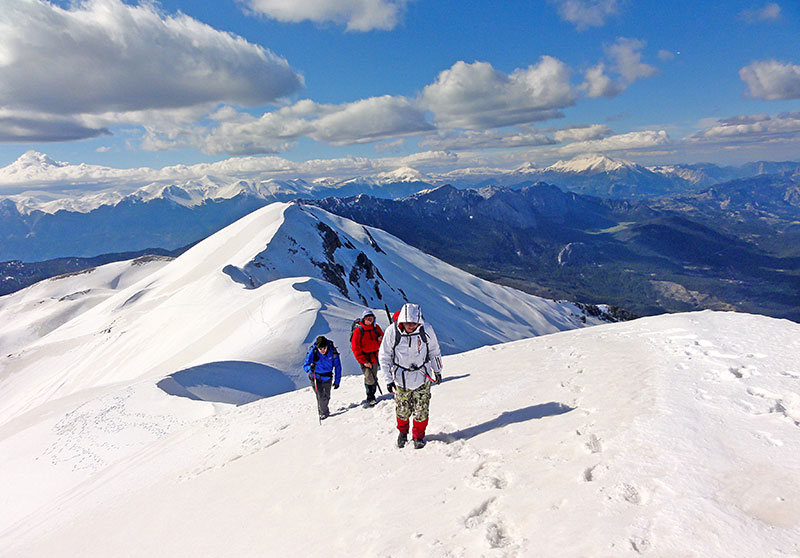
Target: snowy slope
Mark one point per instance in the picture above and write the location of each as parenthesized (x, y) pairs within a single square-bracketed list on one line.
[(259, 291), (668, 436)]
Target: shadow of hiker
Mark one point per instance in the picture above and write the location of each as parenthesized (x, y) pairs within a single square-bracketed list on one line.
[(452, 378), (509, 417)]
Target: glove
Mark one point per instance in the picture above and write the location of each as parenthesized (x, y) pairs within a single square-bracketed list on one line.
[(335, 386), (438, 376), (390, 387)]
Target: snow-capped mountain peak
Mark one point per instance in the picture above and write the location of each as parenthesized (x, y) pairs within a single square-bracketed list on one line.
[(402, 174), (591, 164), (526, 168), (29, 166), (34, 159)]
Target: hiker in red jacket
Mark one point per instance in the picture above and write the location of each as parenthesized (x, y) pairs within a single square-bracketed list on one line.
[(365, 342)]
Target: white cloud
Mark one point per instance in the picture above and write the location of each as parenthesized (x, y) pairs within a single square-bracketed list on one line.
[(627, 57), (582, 133), (586, 13), (666, 55), (460, 140), (369, 120), (772, 80), (104, 56), (621, 142), (478, 96), (362, 121), (752, 128), (598, 84), (626, 61), (486, 139), (357, 15), (769, 12), (28, 126)]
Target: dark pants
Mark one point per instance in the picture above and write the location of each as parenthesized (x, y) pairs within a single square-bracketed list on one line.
[(323, 391)]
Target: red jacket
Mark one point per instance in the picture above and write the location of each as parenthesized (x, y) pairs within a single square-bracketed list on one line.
[(365, 342)]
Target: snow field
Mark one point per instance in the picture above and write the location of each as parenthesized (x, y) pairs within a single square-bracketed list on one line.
[(619, 440)]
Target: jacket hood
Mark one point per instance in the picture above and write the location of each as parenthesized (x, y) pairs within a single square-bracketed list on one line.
[(410, 313), (367, 313)]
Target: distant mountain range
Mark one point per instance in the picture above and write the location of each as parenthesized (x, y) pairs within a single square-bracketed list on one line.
[(713, 249), (683, 240), (37, 182), (38, 225)]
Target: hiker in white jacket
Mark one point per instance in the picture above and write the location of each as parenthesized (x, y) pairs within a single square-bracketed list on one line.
[(410, 360)]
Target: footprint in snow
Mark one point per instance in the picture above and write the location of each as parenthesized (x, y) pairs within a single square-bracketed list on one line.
[(486, 517), (488, 475)]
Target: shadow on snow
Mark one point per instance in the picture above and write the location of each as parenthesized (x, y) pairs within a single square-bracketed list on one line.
[(509, 417), (233, 382)]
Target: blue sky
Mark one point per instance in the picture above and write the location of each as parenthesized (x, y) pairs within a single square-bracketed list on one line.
[(439, 83)]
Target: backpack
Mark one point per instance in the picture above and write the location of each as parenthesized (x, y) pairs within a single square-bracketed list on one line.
[(331, 348), (356, 324)]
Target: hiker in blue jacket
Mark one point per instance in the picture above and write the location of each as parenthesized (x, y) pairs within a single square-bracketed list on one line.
[(324, 368)]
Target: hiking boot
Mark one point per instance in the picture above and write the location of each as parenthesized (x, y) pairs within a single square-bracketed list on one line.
[(402, 438), (372, 402), (419, 443)]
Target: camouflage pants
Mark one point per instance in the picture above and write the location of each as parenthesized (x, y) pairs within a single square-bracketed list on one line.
[(413, 401)]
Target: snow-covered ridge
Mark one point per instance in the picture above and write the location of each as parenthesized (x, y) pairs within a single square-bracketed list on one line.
[(667, 436), (259, 290)]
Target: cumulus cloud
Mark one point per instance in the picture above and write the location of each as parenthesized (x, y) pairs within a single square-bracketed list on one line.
[(626, 62), (104, 56), (627, 57), (621, 142), (598, 84), (357, 15), (461, 140), (362, 121), (769, 12), (772, 80), (586, 13), (582, 133), (486, 139), (24, 127), (369, 120), (478, 96), (751, 128)]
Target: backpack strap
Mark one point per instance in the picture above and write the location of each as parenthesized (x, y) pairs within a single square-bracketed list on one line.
[(422, 334)]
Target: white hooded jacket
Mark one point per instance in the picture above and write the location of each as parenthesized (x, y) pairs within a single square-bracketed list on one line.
[(409, 359)]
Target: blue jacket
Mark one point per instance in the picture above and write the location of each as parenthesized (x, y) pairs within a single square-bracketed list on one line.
[(325, 366)]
